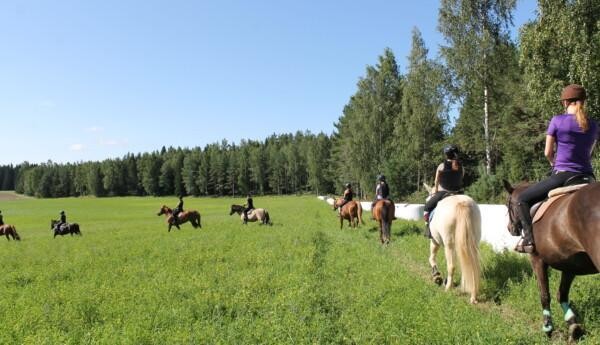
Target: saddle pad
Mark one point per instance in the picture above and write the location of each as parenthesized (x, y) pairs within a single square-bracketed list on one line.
[(565, 190), (545, 205)]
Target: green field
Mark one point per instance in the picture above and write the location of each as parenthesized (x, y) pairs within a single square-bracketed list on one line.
[(300, 281)]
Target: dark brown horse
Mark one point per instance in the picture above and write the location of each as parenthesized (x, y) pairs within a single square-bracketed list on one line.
[(72, 228), (567, 238), (185, 216), (383, 211), (351, 211), (9, 230)]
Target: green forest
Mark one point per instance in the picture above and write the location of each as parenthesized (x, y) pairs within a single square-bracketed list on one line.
[(503, 92)]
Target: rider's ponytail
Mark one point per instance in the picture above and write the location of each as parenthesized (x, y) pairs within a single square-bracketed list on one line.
[(581, 116)]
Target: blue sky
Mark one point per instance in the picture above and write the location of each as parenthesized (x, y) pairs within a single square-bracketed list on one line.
[(89, 80)]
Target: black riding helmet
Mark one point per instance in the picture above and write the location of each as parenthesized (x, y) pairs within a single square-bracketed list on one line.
[(451, 151), (62, 212), (348, 185), (381, 177)]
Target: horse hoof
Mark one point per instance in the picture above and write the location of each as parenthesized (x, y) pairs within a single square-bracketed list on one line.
[(575, 332), (438, 280)]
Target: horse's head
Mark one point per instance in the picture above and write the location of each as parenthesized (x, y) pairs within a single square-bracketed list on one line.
[(164, 210), (514, 222), (336, 204), (53, 223), (235, 209)]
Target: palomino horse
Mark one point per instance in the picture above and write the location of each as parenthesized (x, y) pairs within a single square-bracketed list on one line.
[(72, 228), (257, 214), (192, 216), (567, 238), (351, 211), (383, 211), (456, 224), (9, 230)]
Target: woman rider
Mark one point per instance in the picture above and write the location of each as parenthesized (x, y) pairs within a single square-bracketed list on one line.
[(177, 210), (348, 195), (249, 207), (574, 135), (448, 180)]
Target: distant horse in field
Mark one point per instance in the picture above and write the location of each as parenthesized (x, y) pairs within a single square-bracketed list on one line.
[(192, 216), (258, 214), (383, 211), (456, 224), (567, 238), (351, 211), (9, 231), (72, 228)]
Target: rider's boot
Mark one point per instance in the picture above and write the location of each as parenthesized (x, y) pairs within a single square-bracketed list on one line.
[(526, 244), (427, 232)]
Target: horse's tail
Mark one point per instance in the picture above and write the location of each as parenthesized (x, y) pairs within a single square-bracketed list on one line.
[(267, 218), (359, 211), (385, 223), (199, 219), (16, 236), (468, 232), (76, 229)]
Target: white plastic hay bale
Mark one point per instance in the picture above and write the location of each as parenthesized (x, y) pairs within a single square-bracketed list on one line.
[(366, 205), (320, 197), (409, 211), (330, 201), (494, 222)]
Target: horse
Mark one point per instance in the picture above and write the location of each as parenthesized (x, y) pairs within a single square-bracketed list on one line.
[(351, 211), (72, 228), (257, 214), (9, 231), (456, 224), (567, 238), (383, 211), (192, 216)]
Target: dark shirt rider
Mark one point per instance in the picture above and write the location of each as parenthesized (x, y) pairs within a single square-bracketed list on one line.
[(382, 190), (348, 195), (249, 207), (178, 209), (62, 221)]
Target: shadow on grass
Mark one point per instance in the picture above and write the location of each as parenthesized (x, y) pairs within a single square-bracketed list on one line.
[(503, 268), (405, 228)]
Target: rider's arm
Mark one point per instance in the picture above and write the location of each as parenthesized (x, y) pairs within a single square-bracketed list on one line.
[(549, 149)]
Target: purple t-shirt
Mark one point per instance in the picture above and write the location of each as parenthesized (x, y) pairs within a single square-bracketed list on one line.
[(573, 146)]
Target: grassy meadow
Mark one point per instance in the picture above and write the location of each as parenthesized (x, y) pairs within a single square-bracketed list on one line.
[(300, 281)]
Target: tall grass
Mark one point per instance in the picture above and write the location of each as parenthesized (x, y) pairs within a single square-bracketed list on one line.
[(128, 281)]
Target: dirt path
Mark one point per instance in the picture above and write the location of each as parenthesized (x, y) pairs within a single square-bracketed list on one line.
[(7, 195)]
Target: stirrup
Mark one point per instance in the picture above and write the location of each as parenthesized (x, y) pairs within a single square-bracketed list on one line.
[(522, 247)]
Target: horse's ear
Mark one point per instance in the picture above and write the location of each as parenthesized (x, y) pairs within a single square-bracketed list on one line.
[(507, 186)]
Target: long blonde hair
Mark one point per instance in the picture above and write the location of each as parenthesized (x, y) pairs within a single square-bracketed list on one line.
[(581, 115)]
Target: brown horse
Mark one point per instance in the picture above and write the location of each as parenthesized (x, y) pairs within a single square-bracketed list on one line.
[(192, 216), (9, 230), (567, 238), (383, 211), (352, 211)]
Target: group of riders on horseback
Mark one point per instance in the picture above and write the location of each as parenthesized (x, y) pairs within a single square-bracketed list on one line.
[(570, 139)]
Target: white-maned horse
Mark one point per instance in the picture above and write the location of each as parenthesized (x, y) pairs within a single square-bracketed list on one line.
[(456, 224)]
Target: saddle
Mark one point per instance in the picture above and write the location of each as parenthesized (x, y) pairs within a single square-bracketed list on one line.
[(539, 209)]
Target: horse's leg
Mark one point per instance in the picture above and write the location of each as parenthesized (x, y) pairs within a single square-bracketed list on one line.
[(575, 329), (341, 222), (449, 252), (381, 230), (540, 268), (170, 225), (435, 273)]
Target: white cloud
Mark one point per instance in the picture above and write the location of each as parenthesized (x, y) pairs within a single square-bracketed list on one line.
[(76, 147), (94, 129)]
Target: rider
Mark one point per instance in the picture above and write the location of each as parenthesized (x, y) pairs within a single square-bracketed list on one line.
[(177, 210), (62, 221), (348, 195), (448, 180), (574, 134), (382, 190), (1, 219), (249, 207)]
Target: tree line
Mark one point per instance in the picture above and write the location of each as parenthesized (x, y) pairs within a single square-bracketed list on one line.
[(504, 92)]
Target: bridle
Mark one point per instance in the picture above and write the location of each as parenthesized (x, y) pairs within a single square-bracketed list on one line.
[(512, 218)]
